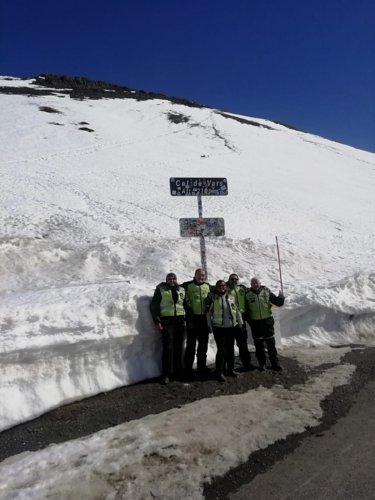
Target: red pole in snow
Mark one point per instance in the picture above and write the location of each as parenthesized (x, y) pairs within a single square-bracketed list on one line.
[(278, 257)]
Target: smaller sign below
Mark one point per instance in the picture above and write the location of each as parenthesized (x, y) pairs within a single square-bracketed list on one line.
[(198, 186), (202, 227)]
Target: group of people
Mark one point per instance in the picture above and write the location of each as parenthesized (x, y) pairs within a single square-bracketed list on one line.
[(197, 308)]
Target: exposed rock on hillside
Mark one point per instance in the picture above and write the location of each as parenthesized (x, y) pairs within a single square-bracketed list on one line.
[(79, 87)]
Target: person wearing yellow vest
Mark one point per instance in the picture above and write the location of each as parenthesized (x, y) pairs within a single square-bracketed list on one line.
[(197, 291), (168, 313), (259, 300), (238, 292), (223, 318)]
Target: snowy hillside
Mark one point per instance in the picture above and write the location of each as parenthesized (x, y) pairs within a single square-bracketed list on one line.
[(88, 228)]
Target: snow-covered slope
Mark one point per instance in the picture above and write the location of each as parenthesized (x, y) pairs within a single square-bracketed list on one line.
[(88, 228)]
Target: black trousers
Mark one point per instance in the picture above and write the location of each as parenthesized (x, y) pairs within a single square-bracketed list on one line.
[(263, 332), (197, 331), (224, 338), (172, 341), (243, 349)]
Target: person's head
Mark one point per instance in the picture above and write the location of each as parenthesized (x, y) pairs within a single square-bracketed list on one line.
[(171, 279), (255, 283), (233, 280), (200, 275), (221, 287)]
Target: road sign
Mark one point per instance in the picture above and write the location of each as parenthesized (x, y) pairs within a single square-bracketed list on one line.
[(202, 227), (198, 186)]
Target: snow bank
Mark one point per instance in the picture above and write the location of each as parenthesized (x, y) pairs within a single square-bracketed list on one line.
[(342, 312), (88, 229)]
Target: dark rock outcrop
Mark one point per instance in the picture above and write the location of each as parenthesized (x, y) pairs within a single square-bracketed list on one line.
[(79, 87)]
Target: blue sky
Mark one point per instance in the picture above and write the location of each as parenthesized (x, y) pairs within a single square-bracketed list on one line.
[(307, 64)]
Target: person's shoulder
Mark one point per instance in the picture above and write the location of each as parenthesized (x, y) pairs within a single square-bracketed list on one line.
[(163, 284), (185, 284)]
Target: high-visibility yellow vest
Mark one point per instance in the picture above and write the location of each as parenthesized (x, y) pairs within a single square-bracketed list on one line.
[(197, 295), (167, 305), (238, 294), (218, 310), (258, 305)]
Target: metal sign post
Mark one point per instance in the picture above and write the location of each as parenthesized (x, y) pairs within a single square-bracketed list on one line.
[(202, 240), (203, 255), (200, 186)]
